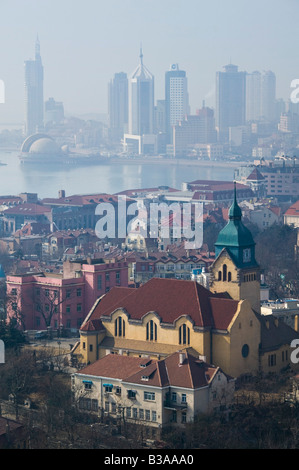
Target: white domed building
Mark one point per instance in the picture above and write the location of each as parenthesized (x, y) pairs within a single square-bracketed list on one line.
[(41, 148)]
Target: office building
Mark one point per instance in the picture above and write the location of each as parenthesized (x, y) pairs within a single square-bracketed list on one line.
[(230, 99)]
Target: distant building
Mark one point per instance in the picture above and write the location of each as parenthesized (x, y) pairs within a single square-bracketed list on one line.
[(291, 216), (287, 310), (289, 123), (260, 96), (118, 106), (193, 130), (141, 100), (65, 298), (34, 93), (279, 180), (176, 98), (54, 112), (230, 99)]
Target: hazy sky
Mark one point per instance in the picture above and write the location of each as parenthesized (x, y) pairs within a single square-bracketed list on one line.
[(84, 42)]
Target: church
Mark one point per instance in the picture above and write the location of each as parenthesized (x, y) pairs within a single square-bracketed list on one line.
[(221, 325)]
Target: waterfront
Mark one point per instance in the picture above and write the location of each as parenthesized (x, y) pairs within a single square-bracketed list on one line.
[(47, 180)]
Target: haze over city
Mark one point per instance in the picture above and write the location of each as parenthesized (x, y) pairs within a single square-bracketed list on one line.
[(84, 44)]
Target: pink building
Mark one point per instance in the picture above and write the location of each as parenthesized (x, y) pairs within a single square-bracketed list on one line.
[(62, 300)]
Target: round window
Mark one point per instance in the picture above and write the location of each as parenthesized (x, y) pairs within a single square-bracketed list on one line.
[(245, 350)]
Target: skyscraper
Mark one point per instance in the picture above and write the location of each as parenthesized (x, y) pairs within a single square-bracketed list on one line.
[(260, 96), (118, 106), (176, 98), (268, 95), (34, 93), (141, 100), (230, 99)]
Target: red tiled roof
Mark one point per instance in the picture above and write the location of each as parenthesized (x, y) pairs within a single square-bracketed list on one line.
[(190, 373), (293, 210), (114, 366), (170, 299), (27, 209), (255, 175), (81, 200)]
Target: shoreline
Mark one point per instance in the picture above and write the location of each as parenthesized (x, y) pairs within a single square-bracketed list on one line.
[(184, 162)]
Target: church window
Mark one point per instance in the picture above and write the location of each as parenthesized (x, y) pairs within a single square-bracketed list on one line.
[(229, 276), (119, 325), (224, 272), (184, 335), (245, 350), (151, 331), (219, 275)]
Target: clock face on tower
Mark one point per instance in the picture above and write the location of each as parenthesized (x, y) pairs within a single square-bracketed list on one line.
[(246, 255)]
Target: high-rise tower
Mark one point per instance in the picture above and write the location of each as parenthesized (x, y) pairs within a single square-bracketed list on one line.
[(230, 99), (176, 98), (141, 100), (34, 93), (260, 96), (118, 106)]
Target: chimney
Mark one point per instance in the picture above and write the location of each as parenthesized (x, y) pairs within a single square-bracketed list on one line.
[(61, 193), (182, 357)]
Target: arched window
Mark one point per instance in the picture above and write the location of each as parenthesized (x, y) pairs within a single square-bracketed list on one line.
[(151, 331), (224, 272), (119, 327), (219, 275), (184, 334), (229, 276)]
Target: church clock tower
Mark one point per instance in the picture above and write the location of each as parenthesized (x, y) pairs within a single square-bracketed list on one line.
[(235, 269)]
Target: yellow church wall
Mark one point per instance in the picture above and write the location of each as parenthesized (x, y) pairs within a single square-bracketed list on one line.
[(276, 360), (89, 346), (227, 348), (166, 336), (244, 330)]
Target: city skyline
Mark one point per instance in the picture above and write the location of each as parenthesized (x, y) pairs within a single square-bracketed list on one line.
[(81, 56)]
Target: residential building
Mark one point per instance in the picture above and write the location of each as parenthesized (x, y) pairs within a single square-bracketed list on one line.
[(291, 216), (153, 393), (280, 180), (62, 300), (265, 217)]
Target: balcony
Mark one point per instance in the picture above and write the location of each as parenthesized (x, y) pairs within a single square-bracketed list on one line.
[(174, 405)]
